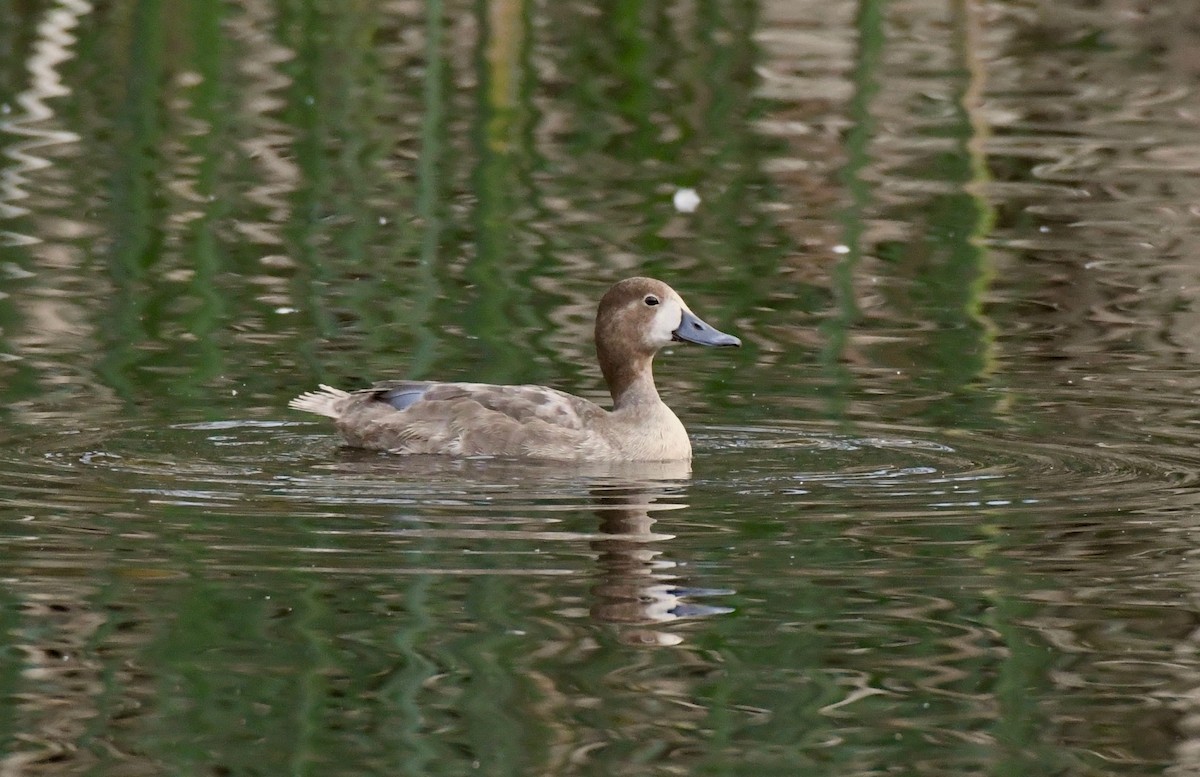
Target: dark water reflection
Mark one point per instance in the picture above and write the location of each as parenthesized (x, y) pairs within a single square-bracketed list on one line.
[(951, 601), (941, 517)]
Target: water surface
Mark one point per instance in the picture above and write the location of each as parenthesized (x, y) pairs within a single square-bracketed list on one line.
[(940, 518)]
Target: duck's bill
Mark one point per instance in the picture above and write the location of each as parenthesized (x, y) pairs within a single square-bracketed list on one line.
[(693, 330)]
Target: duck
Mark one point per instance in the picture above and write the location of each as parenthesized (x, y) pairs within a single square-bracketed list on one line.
[(635, 319)]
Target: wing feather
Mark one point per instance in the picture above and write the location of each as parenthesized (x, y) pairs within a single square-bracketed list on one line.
[(472, 418)]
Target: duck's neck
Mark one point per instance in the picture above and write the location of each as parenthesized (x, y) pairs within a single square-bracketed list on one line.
[(631, 381)]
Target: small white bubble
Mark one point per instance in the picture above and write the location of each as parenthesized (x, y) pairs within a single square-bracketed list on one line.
[(382, 220), (841, 249), (1043, 229), (285, 311), (686, 200)]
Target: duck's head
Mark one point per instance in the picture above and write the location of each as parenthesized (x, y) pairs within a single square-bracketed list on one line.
[(637, 317), (648, 314)]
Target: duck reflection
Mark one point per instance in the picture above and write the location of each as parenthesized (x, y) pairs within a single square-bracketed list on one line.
[(639, 587)]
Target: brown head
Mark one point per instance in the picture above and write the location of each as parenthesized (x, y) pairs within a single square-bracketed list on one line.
[(636, 318)]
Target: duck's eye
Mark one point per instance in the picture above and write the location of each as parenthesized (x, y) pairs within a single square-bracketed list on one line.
[(651, 300)]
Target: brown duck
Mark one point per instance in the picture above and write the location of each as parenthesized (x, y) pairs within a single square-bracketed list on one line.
[(636, 318)]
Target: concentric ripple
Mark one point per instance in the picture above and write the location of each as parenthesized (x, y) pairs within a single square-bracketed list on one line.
[(894, 469), (240, 467)]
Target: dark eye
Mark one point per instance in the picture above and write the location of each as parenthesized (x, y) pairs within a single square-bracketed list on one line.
[(651, 299)]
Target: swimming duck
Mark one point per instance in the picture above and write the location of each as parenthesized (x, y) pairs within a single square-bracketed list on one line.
[(636, 318)]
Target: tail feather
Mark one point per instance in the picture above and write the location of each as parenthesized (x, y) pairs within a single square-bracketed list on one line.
[(325, 401)]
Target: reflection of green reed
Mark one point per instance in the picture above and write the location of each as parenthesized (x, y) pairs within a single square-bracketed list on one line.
[(1022, 721), (425, 286), (136, 310), (659, 103), (324, 99), (307, 118), (403, 690), (745, 246), (367, 272), (500, 298), (871, 36), (952, 268), (948, 261), (201, 244), (157, 327)]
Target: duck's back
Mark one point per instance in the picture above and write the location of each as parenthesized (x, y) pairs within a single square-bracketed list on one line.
[(466, 419)]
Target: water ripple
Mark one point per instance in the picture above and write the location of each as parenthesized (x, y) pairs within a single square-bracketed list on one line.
[(52, 48), (906, 471), (296, 469)]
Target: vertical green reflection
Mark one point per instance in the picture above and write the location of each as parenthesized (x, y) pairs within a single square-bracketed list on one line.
[(1028, 663), (136, 202), (202, 247), (405, 689), (499, 298), (953, 265), (498, 718), (871, 37), (943, 271), (429, 206), (305, 119)]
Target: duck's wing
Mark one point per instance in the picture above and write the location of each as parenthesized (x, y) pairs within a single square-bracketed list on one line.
[(473, 418), (520, 403)]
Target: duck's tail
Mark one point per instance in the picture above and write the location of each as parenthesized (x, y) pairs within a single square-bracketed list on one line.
[(325, 401)]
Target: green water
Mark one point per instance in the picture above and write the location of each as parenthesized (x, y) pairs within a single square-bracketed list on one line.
[(942, 512)]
